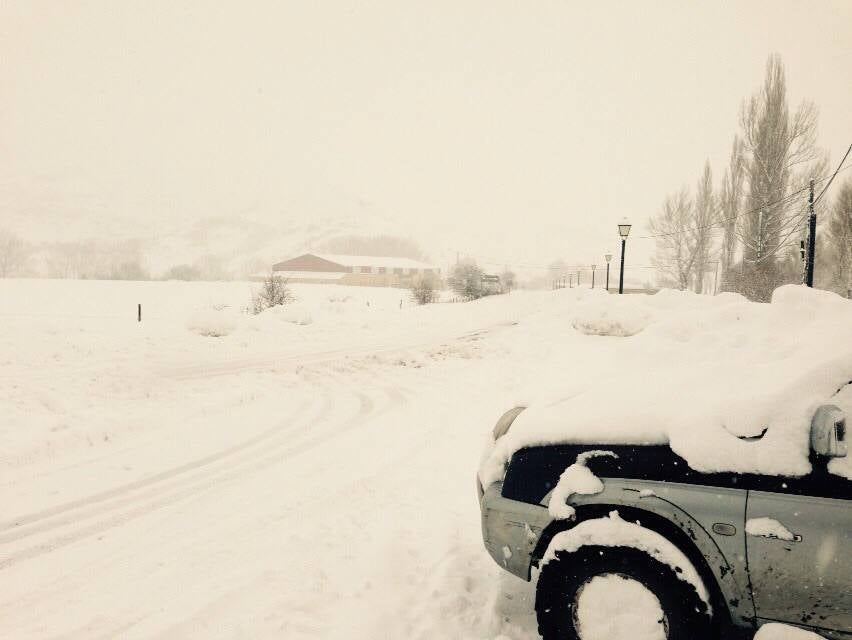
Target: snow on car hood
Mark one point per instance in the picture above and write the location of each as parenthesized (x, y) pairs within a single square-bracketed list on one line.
[(704, 374)]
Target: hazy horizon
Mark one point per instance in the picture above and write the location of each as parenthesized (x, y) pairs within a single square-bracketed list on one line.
[(512, 133)]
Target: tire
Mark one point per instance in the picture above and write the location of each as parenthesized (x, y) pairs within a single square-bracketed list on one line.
[(685, 615)]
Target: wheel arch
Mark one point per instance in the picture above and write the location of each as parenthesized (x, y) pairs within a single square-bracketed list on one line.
[(661, 525)]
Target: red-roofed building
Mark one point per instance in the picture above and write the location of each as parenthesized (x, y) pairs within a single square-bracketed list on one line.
[(374, 271)]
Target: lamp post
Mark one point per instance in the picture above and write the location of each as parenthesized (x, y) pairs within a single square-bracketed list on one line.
[(608, 257), (623, 231), (594, 266)]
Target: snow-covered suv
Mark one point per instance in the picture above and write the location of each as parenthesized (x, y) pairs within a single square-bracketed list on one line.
[(717, 550)]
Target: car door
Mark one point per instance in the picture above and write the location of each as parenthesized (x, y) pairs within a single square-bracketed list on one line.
[(800, 572)]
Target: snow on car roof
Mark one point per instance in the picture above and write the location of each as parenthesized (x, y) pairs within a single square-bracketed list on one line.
[(705, 374)]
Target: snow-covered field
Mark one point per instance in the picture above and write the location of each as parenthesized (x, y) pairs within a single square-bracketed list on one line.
[(310, 472)]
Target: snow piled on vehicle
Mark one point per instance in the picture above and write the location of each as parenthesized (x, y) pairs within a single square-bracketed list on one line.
[(768, 528), (708, 375), (778, 631), (612, 606), (577, 479)]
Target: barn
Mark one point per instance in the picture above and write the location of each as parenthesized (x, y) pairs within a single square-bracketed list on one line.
[(370, 271)]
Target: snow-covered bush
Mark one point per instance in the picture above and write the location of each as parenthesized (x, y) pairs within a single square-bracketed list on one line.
[(423, 291), (607, 315), (466, 280), (273, 293)]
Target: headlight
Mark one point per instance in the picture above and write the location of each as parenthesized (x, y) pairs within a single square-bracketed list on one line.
[(506, 421)]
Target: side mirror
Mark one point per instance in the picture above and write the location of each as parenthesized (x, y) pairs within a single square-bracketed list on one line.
[(505, 422), (828, 432)]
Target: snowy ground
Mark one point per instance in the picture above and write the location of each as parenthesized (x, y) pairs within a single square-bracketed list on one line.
[(307, 474)]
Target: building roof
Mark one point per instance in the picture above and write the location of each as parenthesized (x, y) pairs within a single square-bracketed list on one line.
[(375, 261), (331, 276)]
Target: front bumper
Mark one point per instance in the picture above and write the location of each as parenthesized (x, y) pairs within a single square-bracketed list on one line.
[(511, 530)]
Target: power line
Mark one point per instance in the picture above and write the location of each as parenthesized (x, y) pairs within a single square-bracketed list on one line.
[(717, 223), (834, 174), (789, 197)]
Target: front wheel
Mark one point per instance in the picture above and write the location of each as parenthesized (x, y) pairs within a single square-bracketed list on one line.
[(616, 593)]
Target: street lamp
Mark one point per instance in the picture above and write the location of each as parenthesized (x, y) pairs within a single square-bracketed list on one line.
[(623, 231), (608, 257), (594, 266)]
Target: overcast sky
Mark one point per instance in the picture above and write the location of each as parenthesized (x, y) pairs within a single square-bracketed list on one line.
[(514, 131)]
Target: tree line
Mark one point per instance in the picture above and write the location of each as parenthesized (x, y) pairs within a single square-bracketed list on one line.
[(748, 227)]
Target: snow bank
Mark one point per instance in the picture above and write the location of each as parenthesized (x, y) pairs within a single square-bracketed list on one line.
[(607, 315), (704, 375), (615, 532)]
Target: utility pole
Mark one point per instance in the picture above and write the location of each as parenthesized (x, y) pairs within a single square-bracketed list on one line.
[(809, 270)]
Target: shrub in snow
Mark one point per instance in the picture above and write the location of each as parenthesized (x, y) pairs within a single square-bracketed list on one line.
[(466, 280), (273, 293), (423, 291), (211, 322)]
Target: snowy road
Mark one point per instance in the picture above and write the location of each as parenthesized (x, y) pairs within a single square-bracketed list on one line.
[(318, 511)]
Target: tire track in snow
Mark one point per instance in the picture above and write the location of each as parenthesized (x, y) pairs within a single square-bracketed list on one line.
[(228, 367), (121, 490), (194, 473), (194, 485), (45, 520)]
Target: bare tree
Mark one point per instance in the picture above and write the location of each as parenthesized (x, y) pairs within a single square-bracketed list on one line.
[(730, 206), (779, 150), (703, 222), (63, 260), (676, 248), (182, 272), (13, 254), (840, 240)]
